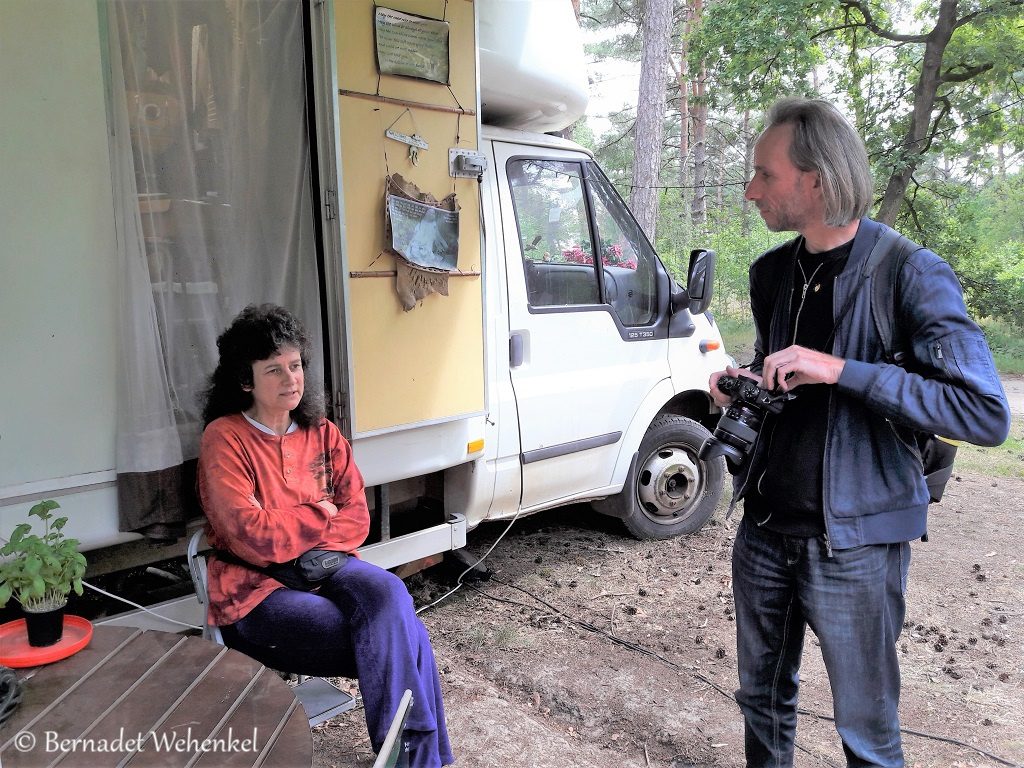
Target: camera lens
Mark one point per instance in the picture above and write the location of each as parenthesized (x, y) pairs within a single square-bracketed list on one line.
[(737, 429)]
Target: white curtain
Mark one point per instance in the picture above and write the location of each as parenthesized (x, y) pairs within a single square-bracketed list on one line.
[(214, 211)]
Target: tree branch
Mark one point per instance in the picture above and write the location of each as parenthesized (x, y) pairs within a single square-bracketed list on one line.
[(619, 138), (964, 74), (839, 28), (627, 13), (934, 131), (992, 10), (870, 23), (674, 66), (911, 205)]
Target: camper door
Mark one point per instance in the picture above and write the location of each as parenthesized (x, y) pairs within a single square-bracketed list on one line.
[(587, 336)]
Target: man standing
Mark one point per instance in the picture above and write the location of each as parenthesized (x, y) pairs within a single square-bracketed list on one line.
[(833, 490)]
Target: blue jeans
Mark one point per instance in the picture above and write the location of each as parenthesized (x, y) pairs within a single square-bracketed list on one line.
[(854, 602)]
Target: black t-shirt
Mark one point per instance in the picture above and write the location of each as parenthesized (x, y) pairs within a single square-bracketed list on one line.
[(787, 495)]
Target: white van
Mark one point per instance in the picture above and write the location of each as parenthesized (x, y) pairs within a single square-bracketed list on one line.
[(168, 163)]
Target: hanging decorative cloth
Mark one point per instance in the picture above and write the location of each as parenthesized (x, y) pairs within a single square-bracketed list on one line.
[(422, 234)]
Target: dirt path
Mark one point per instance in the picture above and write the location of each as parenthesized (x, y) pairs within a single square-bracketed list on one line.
[(1014, 386)]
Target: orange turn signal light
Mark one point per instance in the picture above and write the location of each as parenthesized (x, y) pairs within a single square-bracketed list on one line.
[(475, 446), (709, 345)]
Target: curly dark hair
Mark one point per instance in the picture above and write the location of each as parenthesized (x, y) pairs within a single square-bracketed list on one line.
[(257, 333)]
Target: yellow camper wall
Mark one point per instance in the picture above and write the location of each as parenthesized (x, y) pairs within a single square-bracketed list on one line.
[(426, 364)]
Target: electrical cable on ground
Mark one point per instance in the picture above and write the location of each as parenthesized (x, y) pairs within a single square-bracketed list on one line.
[(702, 678), (140, 607), (484, 556)]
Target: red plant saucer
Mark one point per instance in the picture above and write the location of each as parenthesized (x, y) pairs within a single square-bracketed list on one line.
[(16, 652)]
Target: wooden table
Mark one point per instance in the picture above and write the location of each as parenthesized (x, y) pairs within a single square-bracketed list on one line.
[(145, 698)]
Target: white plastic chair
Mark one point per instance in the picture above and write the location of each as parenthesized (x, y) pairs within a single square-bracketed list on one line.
[(320, 698)]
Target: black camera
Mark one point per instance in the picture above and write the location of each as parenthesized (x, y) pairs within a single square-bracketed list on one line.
[(736, 431)]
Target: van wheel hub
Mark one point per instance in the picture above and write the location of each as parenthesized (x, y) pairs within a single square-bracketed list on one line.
[(668, 482), (670, 492)]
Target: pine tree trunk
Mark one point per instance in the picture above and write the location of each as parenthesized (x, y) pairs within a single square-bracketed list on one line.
[(650, 114), (698, 209), (699, 112), (748, 166), (682, 81)]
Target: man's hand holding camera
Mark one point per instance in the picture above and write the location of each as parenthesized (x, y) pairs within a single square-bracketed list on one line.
[(785, 370), (721, 398), (748, 397), (790, 367)]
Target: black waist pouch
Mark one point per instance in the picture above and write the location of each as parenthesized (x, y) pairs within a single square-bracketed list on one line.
[(304, 573)]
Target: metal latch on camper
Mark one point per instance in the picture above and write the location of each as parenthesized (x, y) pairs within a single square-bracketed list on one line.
[(466, 163)]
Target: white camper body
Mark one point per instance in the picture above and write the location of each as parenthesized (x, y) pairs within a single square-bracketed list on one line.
[(564, 364)]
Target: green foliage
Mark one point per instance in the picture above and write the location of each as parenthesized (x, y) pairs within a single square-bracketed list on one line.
[(1006, 344), (677, 236), (614, 150), (738, 336), (40, 571), (989, 108), (622, 17), (1000, 211), (965, 199), (583, 134), (757, 51), (981, 233)]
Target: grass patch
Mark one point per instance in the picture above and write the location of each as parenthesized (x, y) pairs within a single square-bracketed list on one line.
[(509, 637), (1008, 363), (1006, 344), (1006, 460), (738, 335)]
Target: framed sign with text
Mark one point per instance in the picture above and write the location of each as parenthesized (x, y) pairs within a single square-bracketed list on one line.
[(411, 46)]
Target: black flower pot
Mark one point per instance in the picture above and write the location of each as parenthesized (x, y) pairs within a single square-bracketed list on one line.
[(45, 628)]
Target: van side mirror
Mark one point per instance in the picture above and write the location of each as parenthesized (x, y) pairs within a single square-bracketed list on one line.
[(700, 283)]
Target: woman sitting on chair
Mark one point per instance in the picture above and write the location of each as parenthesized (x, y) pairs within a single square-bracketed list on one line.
[(277, 479)]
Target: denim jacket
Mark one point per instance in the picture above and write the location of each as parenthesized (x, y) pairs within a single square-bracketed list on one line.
[(874, 490)]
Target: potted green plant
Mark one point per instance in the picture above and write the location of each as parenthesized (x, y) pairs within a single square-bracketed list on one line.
[(40, 572)]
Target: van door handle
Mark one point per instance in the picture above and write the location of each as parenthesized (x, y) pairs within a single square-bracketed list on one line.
[(516, 350)]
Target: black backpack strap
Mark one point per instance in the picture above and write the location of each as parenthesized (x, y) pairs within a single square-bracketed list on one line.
[(885, 239), (884, 264)]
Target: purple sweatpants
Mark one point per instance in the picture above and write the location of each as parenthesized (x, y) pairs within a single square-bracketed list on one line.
[(361, 623)]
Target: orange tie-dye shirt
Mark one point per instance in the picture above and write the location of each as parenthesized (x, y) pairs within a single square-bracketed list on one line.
[(260, 492)]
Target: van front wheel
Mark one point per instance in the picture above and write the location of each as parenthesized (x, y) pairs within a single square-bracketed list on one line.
[(672, 492)]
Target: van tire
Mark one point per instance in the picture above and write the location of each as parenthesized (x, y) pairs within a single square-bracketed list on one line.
[(672, 492)]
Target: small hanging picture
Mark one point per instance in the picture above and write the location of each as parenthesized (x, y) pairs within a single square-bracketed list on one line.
[(424, 235), (411, 46)]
